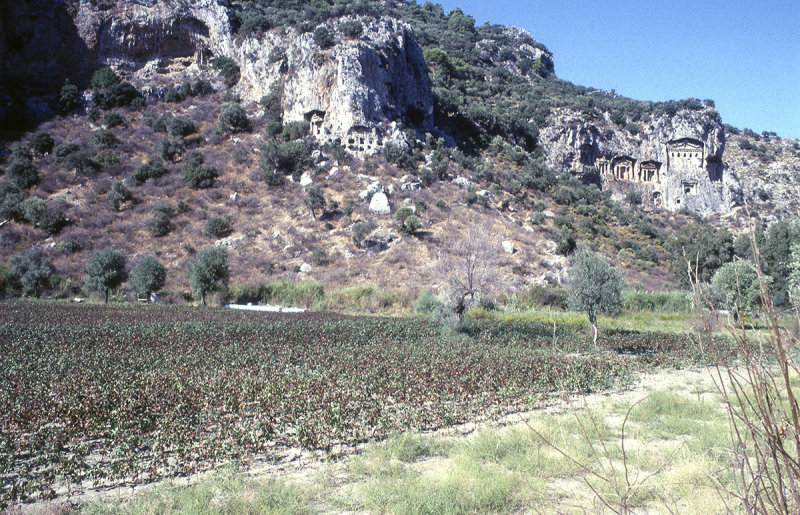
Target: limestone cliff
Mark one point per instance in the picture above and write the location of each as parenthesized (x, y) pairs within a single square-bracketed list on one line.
[(674, 161), (353, 90)]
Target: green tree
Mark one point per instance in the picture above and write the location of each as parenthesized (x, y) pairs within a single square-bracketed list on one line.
[(407, 221), (314, 199), (323, 37), (41, 143), (105, 271), (69, 98), (735, 287), (147, 276), (117, 195), (22, 173), (194, 173), (594, 287), (32, 270), (104, 78), (209, 267), (705, 247), (233, 118), (228, 69), (218, 226)]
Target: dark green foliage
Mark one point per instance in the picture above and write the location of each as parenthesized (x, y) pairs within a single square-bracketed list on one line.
[(148, 275), (159, 224), (350, 29), (80, 162), (254, 24), (704, 247), (104, 78), (206, 270), (566, 242), (271, 103), (111, 120), (105, 271), (323, 37), (314, 199), (150, 170), (69, 98), (170, 148), (735, 287), (233, 118), (228, 70), (63, 150), (179, 127), (202, 88), (295, 130), (103, 138), (396, 155), (10, 201), (117, 195), (32, 270), (196, 174), (22, 173), (407, 221), (218, 226), (281, 159), (106, 158), (41, 143), (119, 95)]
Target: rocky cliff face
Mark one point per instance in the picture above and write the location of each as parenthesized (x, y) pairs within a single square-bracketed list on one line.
[(354, 91), (674, 161)]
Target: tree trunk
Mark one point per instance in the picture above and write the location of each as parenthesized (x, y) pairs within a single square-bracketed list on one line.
[(593, 321), (202, 299), (106, 292)]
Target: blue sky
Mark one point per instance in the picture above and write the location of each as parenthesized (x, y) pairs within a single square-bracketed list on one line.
[(743, 55)]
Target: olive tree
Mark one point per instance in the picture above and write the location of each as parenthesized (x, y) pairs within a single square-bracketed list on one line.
[(147, 276), (209, 267), (736, 287), (314, 199), (105, 271), (32, 270), (594, 287)]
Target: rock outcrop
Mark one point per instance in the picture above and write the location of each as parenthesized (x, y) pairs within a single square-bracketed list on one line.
[(355, 91), (674, 161)]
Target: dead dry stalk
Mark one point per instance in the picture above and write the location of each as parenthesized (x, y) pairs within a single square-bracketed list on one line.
[(760, 399)]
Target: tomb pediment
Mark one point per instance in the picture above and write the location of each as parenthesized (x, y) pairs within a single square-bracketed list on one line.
[(685, 144)]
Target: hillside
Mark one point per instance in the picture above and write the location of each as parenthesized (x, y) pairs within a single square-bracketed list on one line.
[(258, 101)]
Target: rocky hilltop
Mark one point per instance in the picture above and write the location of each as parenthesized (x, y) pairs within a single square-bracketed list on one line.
[(351, 90), (674, 161)]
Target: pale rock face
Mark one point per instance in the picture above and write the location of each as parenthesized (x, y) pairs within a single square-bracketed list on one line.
[(306, 268), (353, 91), (675, 162), (379, 204), (306, 180), (508, 246), (372, 189)]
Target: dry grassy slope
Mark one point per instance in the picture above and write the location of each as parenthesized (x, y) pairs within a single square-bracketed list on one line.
[(273, 232)]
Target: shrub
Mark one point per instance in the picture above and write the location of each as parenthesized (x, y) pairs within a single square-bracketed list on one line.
[(233, 118), (111, 120), (408, 222), (150, 170), (119, 95), (105, 271), (323, 37), (103, 138), (351, 29), (22, 173), (159, 224), (295, 130), (32, 270), (228, 70), (429, 305), (147, 276), (106, 158), (63, 150), (279, 159), (10, 201), (194, 173), (104, 78), (290, 293), (117, 195), (396, 155), (179, 127), (360, 230), (69, 98), (41, 143), (80, 162), (218, 226), (170, 148), (202, 88)]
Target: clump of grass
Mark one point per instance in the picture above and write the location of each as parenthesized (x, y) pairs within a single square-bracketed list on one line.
[(226, 492)]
